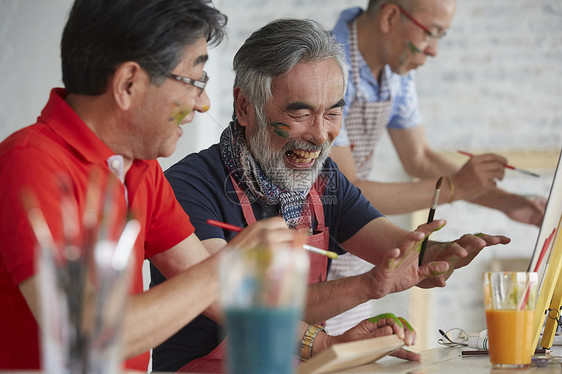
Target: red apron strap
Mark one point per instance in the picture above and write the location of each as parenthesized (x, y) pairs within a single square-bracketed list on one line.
[(318, 263), (318, 208), (244, 202), (211, 363)]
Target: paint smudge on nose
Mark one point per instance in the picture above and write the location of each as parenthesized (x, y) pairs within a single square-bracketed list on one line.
[(281, 129), (205, 108)]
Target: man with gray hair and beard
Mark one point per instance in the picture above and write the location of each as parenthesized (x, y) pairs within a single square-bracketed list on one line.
[(272, 160)]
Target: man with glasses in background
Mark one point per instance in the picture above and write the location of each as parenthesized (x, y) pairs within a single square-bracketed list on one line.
[(384, 44)]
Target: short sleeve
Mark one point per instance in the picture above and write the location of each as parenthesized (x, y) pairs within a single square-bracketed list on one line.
[(202, 189), (406, 109), (169, 224)]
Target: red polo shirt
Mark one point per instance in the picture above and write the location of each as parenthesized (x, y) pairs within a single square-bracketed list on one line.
[(35, 157)]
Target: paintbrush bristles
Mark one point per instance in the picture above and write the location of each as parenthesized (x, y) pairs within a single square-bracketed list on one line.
[(438, 185), (434, 204), (435, 200)]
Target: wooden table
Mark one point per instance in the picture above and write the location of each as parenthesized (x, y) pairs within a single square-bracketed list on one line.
[(447, 360), (442, 360)]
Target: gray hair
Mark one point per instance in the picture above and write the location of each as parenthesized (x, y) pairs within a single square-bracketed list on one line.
[(275, 49), (375, 5)]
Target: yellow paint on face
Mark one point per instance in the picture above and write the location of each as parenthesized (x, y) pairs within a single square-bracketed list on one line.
[(205, 108)]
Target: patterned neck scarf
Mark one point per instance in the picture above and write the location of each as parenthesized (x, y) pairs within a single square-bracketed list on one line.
[(240, 163)]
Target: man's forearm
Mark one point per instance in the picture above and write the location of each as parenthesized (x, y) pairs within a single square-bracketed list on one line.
[(157, 314), (494, 198), (328, 299)]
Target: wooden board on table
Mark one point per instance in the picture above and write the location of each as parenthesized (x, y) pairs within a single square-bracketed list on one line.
[(348, 355)]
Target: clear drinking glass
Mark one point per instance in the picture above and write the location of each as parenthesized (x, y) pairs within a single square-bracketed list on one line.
[(262, 295), (509, 300)]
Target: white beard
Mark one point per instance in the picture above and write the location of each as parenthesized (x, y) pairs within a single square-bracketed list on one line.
[(274, 167)]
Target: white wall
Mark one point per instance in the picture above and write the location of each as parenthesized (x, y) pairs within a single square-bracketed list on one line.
[(496, 85), (30, 33)]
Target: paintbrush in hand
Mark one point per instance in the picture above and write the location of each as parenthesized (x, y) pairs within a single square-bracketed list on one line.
[(434, 204), (309, 248)]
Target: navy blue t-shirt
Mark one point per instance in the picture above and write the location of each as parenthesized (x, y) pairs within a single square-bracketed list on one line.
[(204, 189)]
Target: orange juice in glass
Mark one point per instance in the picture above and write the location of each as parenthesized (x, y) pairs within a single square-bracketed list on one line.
[(509, 300)]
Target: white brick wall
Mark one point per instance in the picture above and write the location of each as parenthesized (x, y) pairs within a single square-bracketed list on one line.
[(500, 68), (495, 85)]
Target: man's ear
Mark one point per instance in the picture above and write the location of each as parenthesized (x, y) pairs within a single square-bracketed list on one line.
[(128, 80), (242, 106), (389, 16)]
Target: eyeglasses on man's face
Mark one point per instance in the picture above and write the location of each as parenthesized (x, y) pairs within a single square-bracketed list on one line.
[(418, 23), (192, 82)]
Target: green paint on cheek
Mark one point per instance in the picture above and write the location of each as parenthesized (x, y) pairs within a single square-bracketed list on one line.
[(408, 326), (375, 319), (281, 129), (413, 49), (180, 115)]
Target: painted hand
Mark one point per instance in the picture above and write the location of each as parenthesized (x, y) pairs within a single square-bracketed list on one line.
[(381, 325), (399, 269), (268, 233), (478, 175), (458, 253)]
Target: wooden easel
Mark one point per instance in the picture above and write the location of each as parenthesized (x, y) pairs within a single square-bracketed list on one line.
[(550, 294), (555, 307)]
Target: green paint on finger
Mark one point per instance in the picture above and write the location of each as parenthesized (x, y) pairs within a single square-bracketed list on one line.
[(408, 326), (391, 316), (434, 273), (479, 234)]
